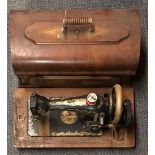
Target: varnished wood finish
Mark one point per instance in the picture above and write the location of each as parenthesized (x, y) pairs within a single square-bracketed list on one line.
[(23, 140), (111, 59)]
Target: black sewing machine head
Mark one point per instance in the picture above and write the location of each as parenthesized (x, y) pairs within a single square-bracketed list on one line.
[(87, 115)]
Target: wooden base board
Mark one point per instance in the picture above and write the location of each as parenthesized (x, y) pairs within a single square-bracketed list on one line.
[(23, 140)]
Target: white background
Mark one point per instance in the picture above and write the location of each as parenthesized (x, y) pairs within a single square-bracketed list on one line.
[(3, 77)]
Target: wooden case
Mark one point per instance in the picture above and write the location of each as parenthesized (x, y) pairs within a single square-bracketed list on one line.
[(76, 49)]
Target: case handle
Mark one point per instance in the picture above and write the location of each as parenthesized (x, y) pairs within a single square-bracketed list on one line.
[(77, 23)]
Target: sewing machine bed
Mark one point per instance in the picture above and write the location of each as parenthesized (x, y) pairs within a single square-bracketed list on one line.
[(22, 138)]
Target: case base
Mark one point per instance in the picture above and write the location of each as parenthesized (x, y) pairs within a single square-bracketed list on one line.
[(126, 137)]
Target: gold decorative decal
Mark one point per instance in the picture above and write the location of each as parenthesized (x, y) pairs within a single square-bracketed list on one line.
[(68, 117)]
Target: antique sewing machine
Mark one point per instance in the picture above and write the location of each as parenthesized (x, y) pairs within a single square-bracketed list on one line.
[(75, 69), (87, 115)]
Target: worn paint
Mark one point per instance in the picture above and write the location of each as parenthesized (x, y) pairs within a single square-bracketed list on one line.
[(31, 129)]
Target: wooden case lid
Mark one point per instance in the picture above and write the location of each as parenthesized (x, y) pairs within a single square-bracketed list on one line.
[(75, 42)]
